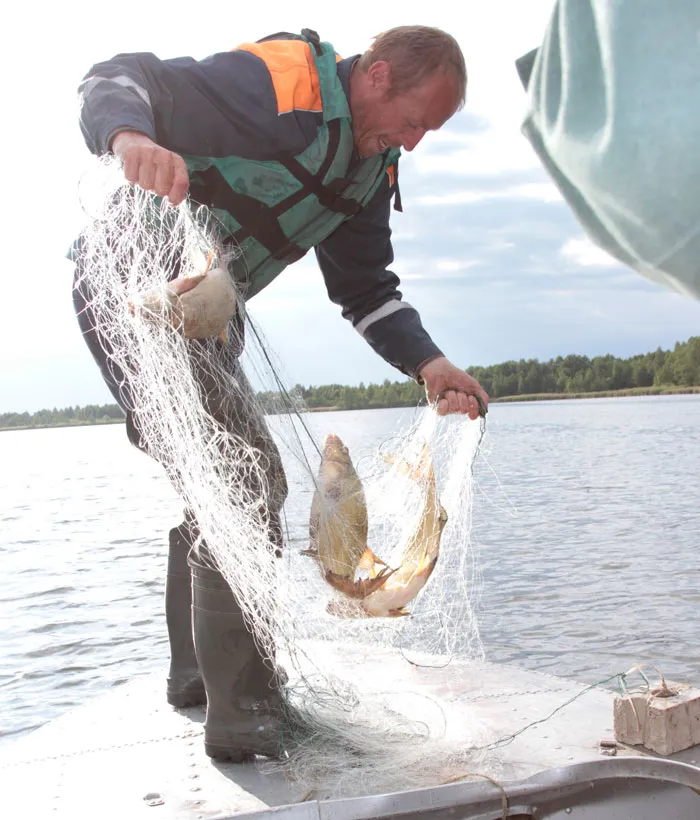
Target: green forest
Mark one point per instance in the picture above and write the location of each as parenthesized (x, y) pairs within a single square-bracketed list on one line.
[(676, 370), (68, 416)]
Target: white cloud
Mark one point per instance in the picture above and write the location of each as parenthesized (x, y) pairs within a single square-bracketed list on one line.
[(452, 265), (429, 267), (400, 235), (581, 251), (559, 293), (543, 191), (485, 153), (498, 264)]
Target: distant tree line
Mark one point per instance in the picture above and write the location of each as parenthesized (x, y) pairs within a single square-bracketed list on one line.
[(342, 397), (678, 368), (90, 414)]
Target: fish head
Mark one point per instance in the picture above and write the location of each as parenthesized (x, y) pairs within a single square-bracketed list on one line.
[(336, 469), (335, 450), (159, 302)]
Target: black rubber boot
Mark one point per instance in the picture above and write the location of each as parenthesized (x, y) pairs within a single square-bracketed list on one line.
[(185, 684), (245, 713)]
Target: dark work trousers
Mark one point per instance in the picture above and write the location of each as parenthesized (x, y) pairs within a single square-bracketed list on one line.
[(236, 411)]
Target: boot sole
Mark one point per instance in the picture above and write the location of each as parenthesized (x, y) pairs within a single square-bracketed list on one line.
[(240, 754), (182, 700), (228, 755)]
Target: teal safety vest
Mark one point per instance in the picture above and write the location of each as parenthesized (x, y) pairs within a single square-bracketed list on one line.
[(275, 211)]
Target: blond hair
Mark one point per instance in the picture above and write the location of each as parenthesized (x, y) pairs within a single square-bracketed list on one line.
[(415, 53)]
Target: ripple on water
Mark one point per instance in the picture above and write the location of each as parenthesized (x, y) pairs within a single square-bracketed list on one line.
[(586, 532)]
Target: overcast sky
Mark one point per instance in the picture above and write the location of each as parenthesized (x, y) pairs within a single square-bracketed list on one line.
[(486, 249)]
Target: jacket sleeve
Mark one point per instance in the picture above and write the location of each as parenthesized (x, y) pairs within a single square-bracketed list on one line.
[(354, 261), (222, 105)]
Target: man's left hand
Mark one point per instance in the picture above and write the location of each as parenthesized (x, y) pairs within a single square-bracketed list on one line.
[(458, 391)]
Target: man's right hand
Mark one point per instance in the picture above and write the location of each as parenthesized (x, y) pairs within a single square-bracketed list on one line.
[(151, 166)]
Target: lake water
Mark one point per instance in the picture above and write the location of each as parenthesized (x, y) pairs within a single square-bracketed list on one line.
[(586, 522)]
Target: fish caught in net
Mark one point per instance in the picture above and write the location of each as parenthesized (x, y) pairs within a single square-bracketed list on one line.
[(380, 565), (338, 530)]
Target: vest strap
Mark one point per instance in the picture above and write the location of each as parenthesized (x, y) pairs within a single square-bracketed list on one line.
[(256, 218), (329, 195), (260, 220)]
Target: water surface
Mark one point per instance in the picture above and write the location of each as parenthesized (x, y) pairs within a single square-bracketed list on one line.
[(586, 523)]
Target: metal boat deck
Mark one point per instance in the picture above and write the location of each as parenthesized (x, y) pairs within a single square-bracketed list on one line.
[(127, 754)]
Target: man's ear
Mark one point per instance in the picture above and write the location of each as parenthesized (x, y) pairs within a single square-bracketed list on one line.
[(379, 76)]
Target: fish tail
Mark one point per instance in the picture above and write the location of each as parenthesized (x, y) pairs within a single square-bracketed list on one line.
[(370, 563)]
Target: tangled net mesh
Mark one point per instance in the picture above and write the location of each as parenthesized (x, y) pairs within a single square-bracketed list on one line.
[(359, 727)]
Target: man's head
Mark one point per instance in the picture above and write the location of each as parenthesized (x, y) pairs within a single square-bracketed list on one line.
[(411, 80)]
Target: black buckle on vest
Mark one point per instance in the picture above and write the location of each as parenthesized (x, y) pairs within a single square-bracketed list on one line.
[(329, 195)]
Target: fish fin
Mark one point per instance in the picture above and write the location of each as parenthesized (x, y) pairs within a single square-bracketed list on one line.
[(223, 336), (310, 552), (366, 561), (368, 586), (183, 284), (426, 567), (378, 560), (341, 583), (357, 589), (369, 562), (398, 613)]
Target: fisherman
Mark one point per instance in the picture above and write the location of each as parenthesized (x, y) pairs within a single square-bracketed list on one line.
[(291, 147), (612, 117)]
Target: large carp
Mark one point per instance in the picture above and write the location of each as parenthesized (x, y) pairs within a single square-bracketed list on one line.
[(338, 526), (338, 538)]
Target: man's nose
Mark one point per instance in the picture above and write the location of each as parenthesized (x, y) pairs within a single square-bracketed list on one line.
[(412, 137)]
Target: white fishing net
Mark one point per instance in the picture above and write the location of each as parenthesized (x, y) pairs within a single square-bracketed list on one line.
[(361, 729)]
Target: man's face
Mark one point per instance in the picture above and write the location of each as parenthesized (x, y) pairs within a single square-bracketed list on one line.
[(382, 121)]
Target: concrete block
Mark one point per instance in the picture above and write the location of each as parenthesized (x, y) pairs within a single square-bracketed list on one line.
[(664, 725), (673, 724), (630, 718)]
